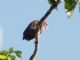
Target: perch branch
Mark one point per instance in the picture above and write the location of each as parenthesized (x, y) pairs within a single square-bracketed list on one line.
[(46, 14), (37, 31), (36, 47)]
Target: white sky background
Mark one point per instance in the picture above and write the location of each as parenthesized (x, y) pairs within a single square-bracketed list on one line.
[(1, 36)]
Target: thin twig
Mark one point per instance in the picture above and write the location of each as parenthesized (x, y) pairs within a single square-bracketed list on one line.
[(37, 31), (46, 14), (36, 48)]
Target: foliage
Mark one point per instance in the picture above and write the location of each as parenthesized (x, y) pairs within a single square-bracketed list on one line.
[(10, 54), (54, 2), (69, 5)]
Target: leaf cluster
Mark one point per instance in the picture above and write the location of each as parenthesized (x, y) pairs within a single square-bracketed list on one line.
[(68, 4), (10, 54)]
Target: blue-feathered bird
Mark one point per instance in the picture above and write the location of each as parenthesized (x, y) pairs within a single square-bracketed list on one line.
[(30, 31)]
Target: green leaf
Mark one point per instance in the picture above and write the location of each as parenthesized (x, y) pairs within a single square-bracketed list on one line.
[(0, 52), (11, 50), (4, 52), (18, 53), (70, 6), (54, 2), (3, 57), (12, 57)]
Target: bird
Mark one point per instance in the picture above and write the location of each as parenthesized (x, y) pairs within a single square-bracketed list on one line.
[(30, 31)]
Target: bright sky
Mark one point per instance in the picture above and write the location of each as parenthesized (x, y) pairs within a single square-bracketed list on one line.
[(61, 41), (1, 36)]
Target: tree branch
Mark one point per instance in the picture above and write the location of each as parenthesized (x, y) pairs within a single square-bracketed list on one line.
[(46, 14), (36, 47), (37, 32)]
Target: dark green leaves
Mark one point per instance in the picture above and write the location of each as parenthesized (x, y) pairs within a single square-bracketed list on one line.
[(11, 50), (18, 53), (50, 1), (70, 6), (4, 52), (54, 3), (11, 57)]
